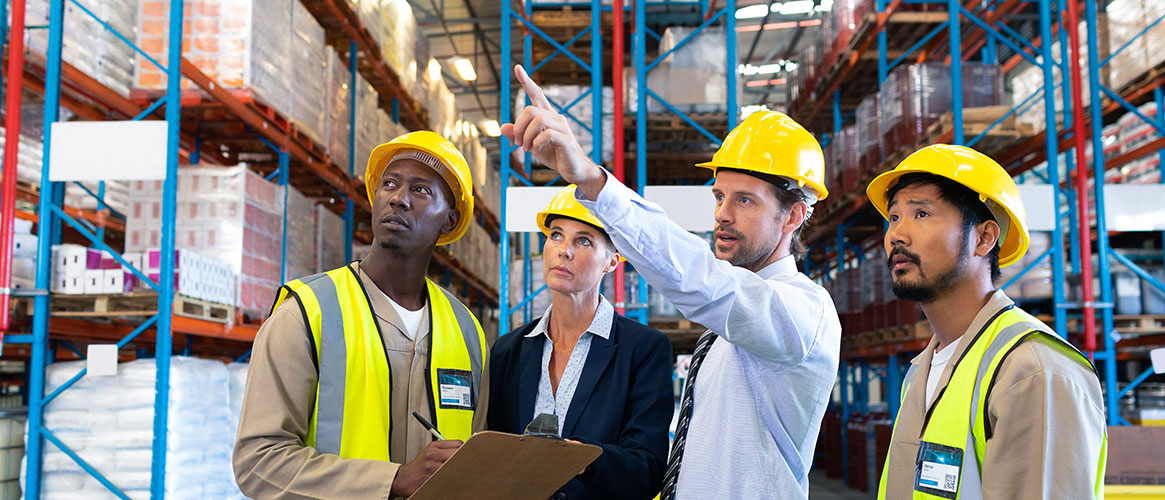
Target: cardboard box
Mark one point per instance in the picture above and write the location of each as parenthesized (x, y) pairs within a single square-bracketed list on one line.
[(73, 259), (1135, 455), (71, 284), (113, 281), (24, 245), (94, 281)]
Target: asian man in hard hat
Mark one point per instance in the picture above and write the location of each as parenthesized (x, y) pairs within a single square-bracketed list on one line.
[(998, 405)]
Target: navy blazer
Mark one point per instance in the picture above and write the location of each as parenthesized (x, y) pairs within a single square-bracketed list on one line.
[(623, 403)]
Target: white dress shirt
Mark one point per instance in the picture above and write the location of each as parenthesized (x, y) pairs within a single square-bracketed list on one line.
[(557, 403), (765, 384)]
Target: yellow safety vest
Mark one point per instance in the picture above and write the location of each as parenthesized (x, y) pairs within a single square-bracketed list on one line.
[(351, 417), (960, 408)]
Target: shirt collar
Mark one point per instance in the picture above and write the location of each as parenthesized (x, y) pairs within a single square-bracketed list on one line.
[(784, 266), (600, 325), (995, 303)]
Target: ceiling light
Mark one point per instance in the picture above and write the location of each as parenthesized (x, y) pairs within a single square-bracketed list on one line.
[(752, 11), (796, 7), (492, 128), (464, 68), (434, 70)]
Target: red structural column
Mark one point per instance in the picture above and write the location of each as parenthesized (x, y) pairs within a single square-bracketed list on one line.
[(11, 141), (1073, 18), (617, 132)]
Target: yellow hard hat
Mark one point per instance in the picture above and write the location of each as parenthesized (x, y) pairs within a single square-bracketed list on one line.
[(455, 171), (769, 142), (977, 172), (564, 204)]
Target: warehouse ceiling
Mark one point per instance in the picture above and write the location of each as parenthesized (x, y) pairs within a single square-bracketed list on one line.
[(770, 36)]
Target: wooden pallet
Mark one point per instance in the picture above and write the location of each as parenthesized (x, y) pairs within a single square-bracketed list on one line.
[(978, 120), (133, 304), (1138, 324), (204, 310), (102, 305)]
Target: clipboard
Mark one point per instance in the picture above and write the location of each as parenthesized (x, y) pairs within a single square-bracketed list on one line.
[(501, 466)]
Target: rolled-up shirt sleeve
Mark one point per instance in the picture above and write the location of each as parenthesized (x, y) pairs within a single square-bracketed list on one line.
[(778, 319)]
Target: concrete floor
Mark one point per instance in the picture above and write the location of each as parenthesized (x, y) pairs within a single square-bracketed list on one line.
[(823, 488)]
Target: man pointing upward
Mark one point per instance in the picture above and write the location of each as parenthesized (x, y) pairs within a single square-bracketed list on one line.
[(761, 375)]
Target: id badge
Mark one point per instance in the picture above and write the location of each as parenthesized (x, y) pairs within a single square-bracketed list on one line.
[(938, 470), (455, 389)]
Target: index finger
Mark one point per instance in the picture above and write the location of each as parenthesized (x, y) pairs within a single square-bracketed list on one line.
[(532, 89)]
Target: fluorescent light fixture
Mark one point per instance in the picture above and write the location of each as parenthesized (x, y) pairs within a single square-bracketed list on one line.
[(765, 69), (753, 11), (464, 68), (750, 109), (434, 70), (795, 7), (826, 6), (492, 128)]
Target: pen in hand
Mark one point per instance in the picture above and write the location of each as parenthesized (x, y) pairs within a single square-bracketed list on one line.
[(429, 427)]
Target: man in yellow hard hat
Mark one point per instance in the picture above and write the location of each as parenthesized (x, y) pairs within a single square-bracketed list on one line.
[(760, 377), (997, 405), (348, 355)]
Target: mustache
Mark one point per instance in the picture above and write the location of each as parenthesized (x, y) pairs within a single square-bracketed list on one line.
[(903, 252), (731, 232)]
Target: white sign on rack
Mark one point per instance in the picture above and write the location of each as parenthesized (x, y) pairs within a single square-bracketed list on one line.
[(108, 150)]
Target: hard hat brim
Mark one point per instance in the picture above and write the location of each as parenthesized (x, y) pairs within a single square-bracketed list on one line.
[(1010, 250), (378, 161)]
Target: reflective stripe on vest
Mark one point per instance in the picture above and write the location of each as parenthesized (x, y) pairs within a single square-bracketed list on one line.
[(352, 416), (958, 416)]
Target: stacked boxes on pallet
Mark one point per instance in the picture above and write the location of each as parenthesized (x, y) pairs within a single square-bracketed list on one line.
[(23, 255), (329, 240), (338, 119), (309, 59), (914, 97), (228, 213), (869, 133), (478, 253), (367, 123), (241, 44), (109, 423), (86, 44), (301, 248), (1127, 19), (80, 270)]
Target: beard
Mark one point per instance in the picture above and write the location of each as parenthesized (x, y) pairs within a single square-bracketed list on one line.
[(746, 253), (923, 290)]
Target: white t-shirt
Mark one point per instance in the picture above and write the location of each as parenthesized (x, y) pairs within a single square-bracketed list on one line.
[(971, 489), (937, 365), (411, 319)]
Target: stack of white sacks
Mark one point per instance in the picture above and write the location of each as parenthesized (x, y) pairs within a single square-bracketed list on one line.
[(108, 422)]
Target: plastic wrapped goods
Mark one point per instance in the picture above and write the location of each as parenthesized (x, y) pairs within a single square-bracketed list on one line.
[(241, 44), (108, 422), (309, 57), (86, 44), (367, 124), (339, 105), (846, 17), (329, 240), (301, 248), (230, 214), (869, 133)]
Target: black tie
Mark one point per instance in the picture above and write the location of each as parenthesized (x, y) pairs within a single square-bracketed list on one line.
[(677, 448)]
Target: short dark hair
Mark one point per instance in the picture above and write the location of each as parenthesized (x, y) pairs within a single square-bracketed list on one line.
[(786, 198), (606, 237), (970, 207)]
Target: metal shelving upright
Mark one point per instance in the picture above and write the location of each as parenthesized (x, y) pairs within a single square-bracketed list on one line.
[(524, 175)]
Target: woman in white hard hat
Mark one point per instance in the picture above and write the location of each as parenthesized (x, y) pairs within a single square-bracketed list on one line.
[(606, 378)]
